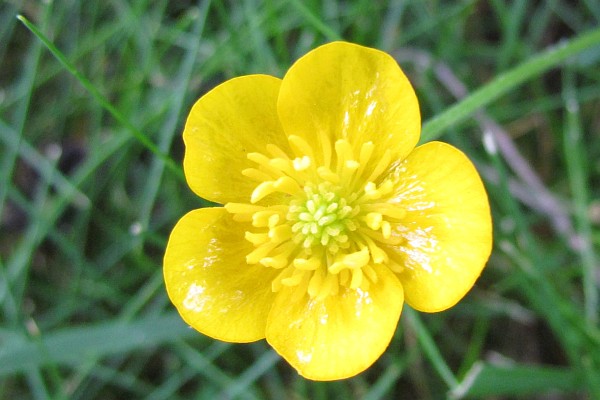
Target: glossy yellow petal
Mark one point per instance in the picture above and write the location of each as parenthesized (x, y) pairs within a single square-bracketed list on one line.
[(209, 282), (235, 118), (447, 230), (340, 336), (346, 91)]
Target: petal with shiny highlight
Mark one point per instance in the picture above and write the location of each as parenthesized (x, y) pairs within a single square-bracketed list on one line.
[(340, 336), (447, 230), (209, 282), (346, 91), (235, 118)]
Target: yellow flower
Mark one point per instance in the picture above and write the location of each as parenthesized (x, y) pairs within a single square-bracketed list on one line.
[(331, 219)]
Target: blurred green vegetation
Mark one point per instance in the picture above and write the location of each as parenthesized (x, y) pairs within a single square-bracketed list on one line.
[(91, 185)]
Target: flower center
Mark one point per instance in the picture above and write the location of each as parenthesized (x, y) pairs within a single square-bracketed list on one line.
[(322, 217), (324, 226)]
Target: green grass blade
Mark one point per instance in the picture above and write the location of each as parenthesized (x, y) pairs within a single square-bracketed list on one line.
[(72, 346), (102, 100), (516, 380), (315, 21), (577, 170), (168, 129), (507, 81), (430, 348)]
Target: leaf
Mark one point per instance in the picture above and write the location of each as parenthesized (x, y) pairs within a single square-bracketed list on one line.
[(491, 380), (74, 346)]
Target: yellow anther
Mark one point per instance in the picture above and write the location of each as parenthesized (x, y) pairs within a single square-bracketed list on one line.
[(301, 164), (365, 152), (295, 279), (370, 187), (256, 238), (389, 210), (258, 158), (300, 146), (285, 273), (276, 152), (382, 165), (260, 252), (352, 165), (276, 262), (307, 264), (373, 220), (395, 267), (343, 150), (386, 229), (280, 233), (350, 261), (315, 284), (273, 221), (261, 219), (262, 190), (256, 174), (328, 175), (386, 187), (370, 273), (282, 164), (377, 254), (242, 208), (357, 278), (287, 185)]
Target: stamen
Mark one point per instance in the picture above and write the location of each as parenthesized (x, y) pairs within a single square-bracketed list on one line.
[(280, 233), (283, 165), (263, 219), (333, 226), (370, 273), (287, 185), (242, 208), (256, 238), (373, 220), (301, 163), (351, 261), (387, 209), (276, 152), (316, 283), (386, 229), (300, 147), (382, 165), (262, 190), (309, 264), (257, 175), (260, 252), (357, 278), (328, 175)]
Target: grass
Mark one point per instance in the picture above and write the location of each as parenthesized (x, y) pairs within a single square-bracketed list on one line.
[(93, 96)]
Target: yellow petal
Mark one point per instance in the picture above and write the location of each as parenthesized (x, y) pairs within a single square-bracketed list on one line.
[(447, 229), (209, 282), (235, 118), (340, 336), (346, 91)]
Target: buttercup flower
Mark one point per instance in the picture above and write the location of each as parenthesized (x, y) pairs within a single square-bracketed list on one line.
[(331, 218)]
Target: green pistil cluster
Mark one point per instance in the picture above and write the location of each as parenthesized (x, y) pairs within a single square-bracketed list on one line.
[(323, 217)]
